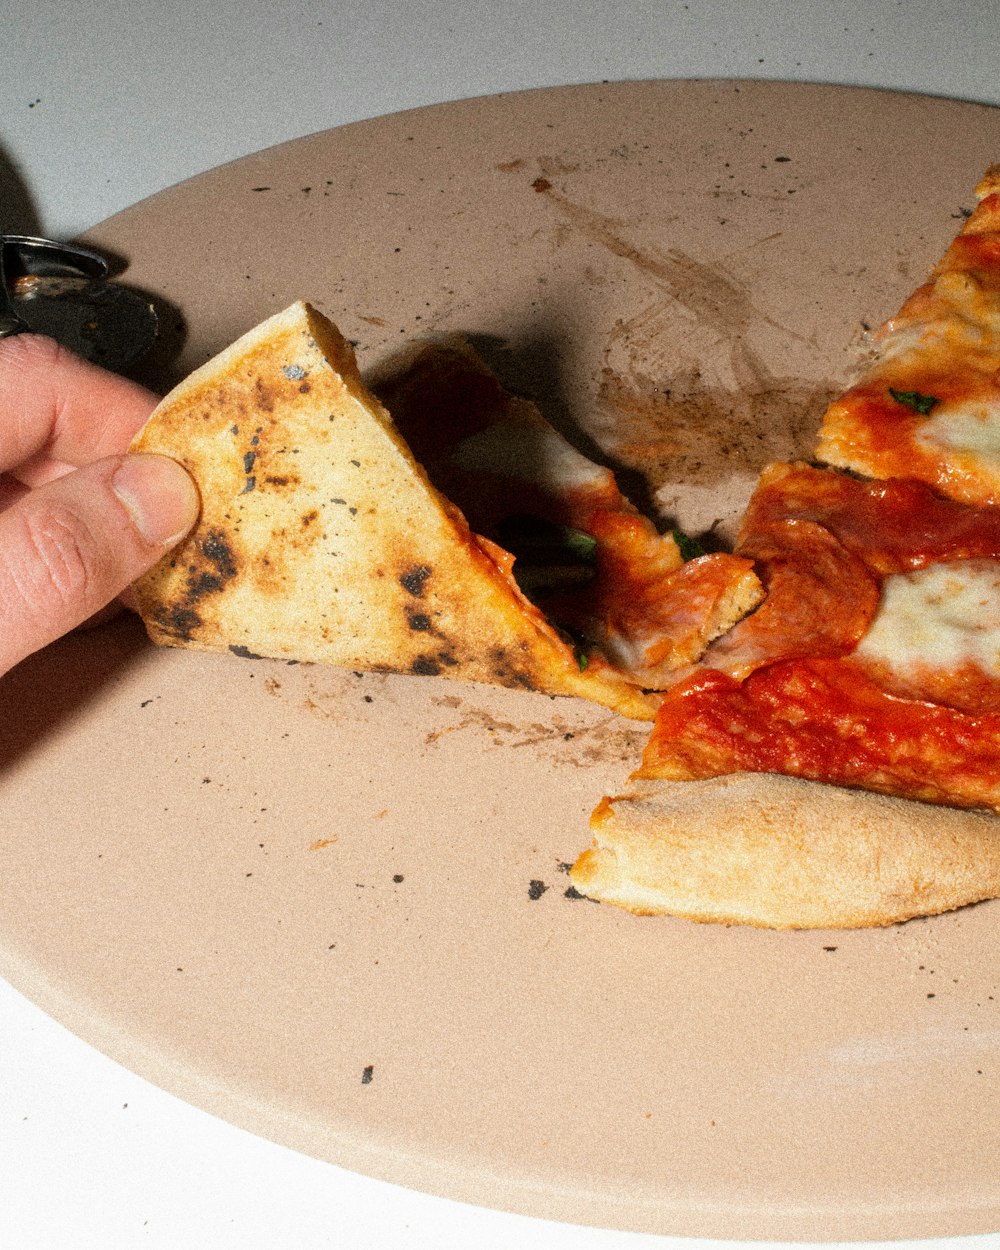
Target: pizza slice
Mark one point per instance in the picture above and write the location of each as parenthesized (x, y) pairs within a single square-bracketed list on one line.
[(928, 405), (322, 538)]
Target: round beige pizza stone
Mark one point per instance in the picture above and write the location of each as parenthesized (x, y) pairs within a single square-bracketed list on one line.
[(334, 908)]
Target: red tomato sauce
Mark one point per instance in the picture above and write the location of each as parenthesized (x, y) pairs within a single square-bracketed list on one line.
[(826, 721)]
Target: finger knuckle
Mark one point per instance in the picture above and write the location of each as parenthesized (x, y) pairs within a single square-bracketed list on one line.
[(26, 353), (63, 555)]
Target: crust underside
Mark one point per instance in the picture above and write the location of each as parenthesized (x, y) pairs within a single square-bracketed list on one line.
[(779, 852)]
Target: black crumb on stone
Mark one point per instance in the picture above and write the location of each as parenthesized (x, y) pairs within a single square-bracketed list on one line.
[(367, 1074), (536, 889), (574, 893)]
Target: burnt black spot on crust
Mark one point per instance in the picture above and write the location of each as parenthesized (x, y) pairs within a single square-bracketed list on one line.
[(245, 653), (202, 584), (216, 548), (419, 621), (425, 666), (212, 566), (413, 580), (508, 672), (179, 621)]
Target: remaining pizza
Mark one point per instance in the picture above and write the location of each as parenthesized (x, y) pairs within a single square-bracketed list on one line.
[(872, 665), (928, 406), (321, 537), (875, 659)]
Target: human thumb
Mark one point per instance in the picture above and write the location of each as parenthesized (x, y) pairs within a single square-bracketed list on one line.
[(70, 547)]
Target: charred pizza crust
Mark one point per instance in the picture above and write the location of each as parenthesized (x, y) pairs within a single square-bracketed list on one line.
[(321, 539)]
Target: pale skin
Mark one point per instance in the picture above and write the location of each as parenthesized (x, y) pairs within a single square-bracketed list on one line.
[(80, 519)]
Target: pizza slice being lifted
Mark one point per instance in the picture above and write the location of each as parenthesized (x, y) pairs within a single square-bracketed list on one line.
[(322, 538)]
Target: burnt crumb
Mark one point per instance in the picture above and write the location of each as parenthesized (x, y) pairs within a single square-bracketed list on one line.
[(397, 877), (244, 652), (574, 894), (367, 1074), (564, 865), (536, 889), (260, 188), (829, 948), (419, 621), (425, 666), (414, 579), (541, 184), (447, 658), (145, 702)]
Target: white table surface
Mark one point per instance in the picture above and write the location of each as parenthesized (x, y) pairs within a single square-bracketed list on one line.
[(104, 102)]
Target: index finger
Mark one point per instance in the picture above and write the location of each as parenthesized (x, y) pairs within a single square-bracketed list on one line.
[(52, 401)]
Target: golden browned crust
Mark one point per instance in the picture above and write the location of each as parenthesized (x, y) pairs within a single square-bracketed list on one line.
[(777, 852), (321, 539)]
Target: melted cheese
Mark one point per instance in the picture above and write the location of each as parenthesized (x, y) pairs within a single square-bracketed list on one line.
[(945, 616), (969, 427)]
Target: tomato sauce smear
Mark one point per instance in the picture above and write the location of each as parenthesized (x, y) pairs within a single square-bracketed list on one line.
[(825, 720)]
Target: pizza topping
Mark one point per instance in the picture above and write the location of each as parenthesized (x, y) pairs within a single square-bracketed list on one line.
[(825, 720), (689, 547), (936, 634), (913, 399)]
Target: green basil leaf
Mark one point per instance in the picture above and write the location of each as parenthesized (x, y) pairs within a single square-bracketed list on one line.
[(689, 547), (915, 400)]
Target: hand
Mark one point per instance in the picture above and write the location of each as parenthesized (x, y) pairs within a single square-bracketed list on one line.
[(79, 519)]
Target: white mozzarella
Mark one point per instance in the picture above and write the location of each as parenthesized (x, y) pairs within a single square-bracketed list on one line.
[(943, 617)]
